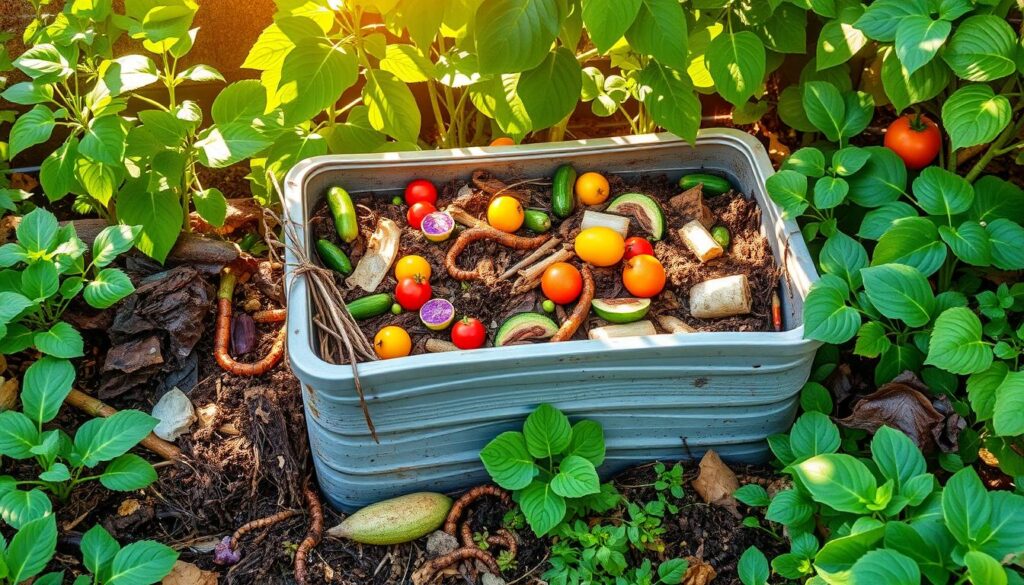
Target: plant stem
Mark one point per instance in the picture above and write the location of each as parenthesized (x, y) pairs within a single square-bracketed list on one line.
[(994, 149), (436, 107)]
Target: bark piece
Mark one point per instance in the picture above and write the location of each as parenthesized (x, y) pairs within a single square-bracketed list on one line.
[(690, 205)]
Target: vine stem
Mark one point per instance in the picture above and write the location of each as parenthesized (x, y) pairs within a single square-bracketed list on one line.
[(994, 149)]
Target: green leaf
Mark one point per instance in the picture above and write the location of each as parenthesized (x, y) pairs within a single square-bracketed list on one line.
[(791, 109), (110, 286), (900, 292), (44, 63), (392, 107), (885, 566), (839, 481), (550, 91), (790, 508), (37, 231), (19, 508), (896, 360), (788, 189), (753, 495), (141, 563), (200, 74), (813, 434), (57, 173), (983, 387), (223, 146), (882, 18), (98, 549), (878, 221), (881, 181), (672, 570), (843, 256), (1003, 537), (785, 31), (128, 73), (588, 442), (815, 398), (47, 383), (28, 93), (113, 241), (825, 108), (99, 180), (827, 317), (1005, 236), (211, 205), (737, 64), (407, 64), (104, 141), (128, 472), (753, 567), (872, 340), (165, 126), (543, 508), (104, 439), (608, 20), (830, 192), (969, 242), (18, 434), (974, 115), (1008, 419), (670, 101), (508, 461), (576, 478), (39, 281), (983, 48), (966, 507), (32, 128), (995, 198), (983, 569), (547, 432), (897, 457), (497, 98), (940, 192), (837, 557), (514, 35), (839, 39), (659, 30), (919, 39), (31, 549), (57, 472), (913, 241), (239, 101), (313, 77), (808, 161), (860, 109), (849, 160), (904, 88), (60, 341)]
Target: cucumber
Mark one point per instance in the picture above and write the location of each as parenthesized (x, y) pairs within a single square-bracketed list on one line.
[(344, 212), (563, 202), (397, 520), (645, 210), (537, 221), (524, 327), (333, 257), (713, 184), (625, 310), (371, 306)]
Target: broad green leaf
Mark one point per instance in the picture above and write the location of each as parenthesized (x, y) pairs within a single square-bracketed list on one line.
[(670, 101), (31, 548), (753, 567), (791, 109), (28, 93), (974, 115), (56, 473), (897, 457), (872, 340), (1008, 419), (807, 161), (608, 20), (843, 256), (57, 173), (32, 128), (900, 292), (104, 141), (313, 77), (839, 481), (830, 192), (98, 549), (576, 478), (44, 63), (165, 126), (508, 461), (277, 40), (881, 181), (1003, 537), (849, 160), (99, 180), (211, 205), (242, 100), (785, 31), (813, 434), (983, 48), (497, 98), (983, 388), (391, 106), (225, 145), (983, 569), (128, 73), (825, 108), (966, 507), (18, 507), (113, 241), (995, 198), (885, 566), (860, 109), (39, 281), (878, 221), (659, 30), (1005, 236), (752, 495), (815, 398), (737, 65), (18, 434), (104, 439), (37, 231), (200, 74), (790, 508), (128, 472), (969, 242), (421, 19), (141, 563), (110, 286), (550, 91), (60, 341), (940, 192), (788, 189), (839, 39), (514, 35), (407, 64), (882, 19), (588, 442), (918, 40), (905, 89), (543, 508), (547, 432), (47, 383), (895, 360), (913, 241), (827, 317)]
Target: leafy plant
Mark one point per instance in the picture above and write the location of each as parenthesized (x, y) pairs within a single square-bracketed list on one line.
[(142, 563), (598, 555), (33, 544)]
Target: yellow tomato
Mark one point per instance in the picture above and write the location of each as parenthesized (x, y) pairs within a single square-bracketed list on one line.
[(592, 189), (600, 246), (505, 213), (391, 342), (412, 266)]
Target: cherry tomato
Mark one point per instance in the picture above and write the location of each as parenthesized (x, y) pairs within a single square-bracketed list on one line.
[(503, 141), (916, 140), (413, 293), (391, 342), (417, 212), (469, 333), (592, 188), (600, 246), (412, 266), (636, 246), (420, 190), (644, 276), (506, 214), (562, 283)]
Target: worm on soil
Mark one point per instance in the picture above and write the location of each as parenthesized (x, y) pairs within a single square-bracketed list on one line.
[(485, 233), (579, 314), (316, 531)]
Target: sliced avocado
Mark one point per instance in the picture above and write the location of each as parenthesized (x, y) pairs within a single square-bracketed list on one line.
[(645, 210), (524, 327), (625, 310)]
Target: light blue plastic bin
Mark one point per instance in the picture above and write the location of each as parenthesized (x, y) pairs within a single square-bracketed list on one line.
[(664, 396)]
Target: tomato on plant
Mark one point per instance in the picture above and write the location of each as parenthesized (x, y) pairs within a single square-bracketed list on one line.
[(592, 188), (391, 342), (506, 214), (503, 141), (469, 333), (636, 246), (417, 212), (644, 276), (412, 266), (916, 140), (562, 283), (413, 293), (420, 190)]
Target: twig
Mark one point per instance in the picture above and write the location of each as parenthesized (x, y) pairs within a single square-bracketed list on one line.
[(96, 407), (313, 536), (464, 217), (537, 270), (531, 258)]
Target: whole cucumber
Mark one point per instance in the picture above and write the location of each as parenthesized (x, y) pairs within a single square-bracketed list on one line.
[(333, 257), (713, 184), (563, 202), (370, 306), (344, 212), (537, 221)]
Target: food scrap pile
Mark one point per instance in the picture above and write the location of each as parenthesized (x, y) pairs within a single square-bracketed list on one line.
[(494, 262)]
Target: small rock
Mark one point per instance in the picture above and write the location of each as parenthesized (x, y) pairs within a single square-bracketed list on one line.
[(489, 579), (441, 543), (175, 413)]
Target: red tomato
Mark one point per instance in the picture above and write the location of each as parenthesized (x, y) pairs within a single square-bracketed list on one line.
[(469, 333), (644, 276), (420, 190), (636, 246), (562, 283), (417, 212), (413, 293), (916, 140)]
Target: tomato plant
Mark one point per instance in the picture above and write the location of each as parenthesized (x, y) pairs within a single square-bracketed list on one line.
[(916, 139), (469, 333), (413, 293), (562, 283)]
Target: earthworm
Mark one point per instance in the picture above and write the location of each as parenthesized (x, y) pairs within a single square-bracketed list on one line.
[(485, 233), (270, 316), (470, 497), (222, 338), (426, 573), (316, 531), (260, 523), (579, 314)]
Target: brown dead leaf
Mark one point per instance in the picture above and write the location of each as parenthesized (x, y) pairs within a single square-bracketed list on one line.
[(8, 393), (777, 151), (23, 182), (699, 572), (188, 574), (128, 507), (716, 482)]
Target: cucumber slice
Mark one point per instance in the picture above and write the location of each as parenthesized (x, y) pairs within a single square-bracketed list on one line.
[(525, 327), (625, 310), (645, 210)]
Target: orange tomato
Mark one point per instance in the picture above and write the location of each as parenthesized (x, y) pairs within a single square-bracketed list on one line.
[(391, 342), (503, 141), (506, 214), (412, 266), (592, 188), (600, 246), (644, 276), (562, 283)]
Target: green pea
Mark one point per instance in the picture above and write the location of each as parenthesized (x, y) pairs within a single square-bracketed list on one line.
[(397, 200), (396, 309), (721, 235), (548, 305)]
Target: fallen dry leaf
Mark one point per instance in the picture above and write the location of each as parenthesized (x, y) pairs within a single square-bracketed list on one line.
[(23, 182), (128, 507), (188, 574), (8, 393), (716, 482), (698, 572), (777, 151)]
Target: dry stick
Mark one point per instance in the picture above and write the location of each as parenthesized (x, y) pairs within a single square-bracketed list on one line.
[(260, 523), (537, 270), (464, 217), (222, 336), (313, 536), (96, 407), (530, 259)]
